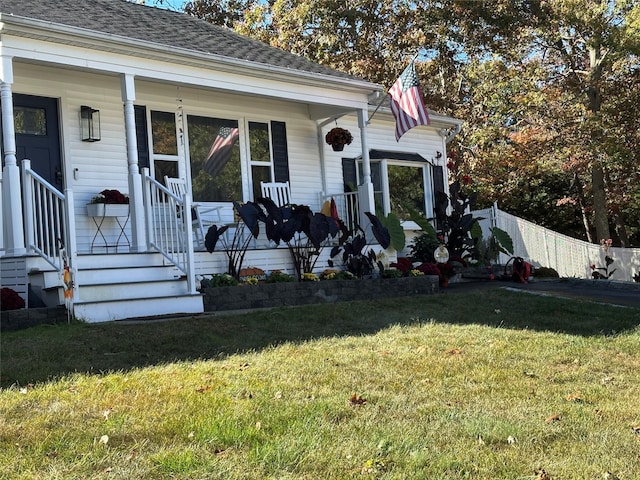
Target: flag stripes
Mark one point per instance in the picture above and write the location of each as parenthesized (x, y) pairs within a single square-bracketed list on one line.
[(407, 104)]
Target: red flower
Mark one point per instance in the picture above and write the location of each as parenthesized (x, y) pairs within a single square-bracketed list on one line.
[(451, 165), (466, 179)]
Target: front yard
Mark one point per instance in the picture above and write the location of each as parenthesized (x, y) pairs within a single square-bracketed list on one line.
[(488, 384)]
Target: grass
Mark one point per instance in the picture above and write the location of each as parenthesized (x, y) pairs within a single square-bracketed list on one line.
[(486, 385)]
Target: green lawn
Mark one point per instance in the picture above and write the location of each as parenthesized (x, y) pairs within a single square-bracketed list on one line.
[(488, 384)]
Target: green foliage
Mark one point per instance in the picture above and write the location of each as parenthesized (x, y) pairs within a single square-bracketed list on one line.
[(545, 272), (391, 273), (423, 247), (280, 277), (503, 240), (219, 280), (396, 232)]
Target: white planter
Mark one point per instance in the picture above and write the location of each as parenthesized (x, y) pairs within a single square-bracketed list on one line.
[(107, 210)]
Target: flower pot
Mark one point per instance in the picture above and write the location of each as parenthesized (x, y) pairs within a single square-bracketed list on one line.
[(337, 147), (107, 210)]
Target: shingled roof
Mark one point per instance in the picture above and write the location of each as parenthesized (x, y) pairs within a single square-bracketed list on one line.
[(162, 27)]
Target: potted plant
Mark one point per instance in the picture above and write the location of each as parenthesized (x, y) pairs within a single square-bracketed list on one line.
[(338, 137), (109, 203)]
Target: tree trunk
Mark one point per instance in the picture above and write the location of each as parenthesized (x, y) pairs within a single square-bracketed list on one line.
[(600, 217), (583, 210)]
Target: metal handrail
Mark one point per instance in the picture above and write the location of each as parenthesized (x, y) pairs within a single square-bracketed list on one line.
[(169, 226)]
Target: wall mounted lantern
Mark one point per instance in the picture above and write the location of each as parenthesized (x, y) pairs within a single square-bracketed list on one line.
[(90, 124)]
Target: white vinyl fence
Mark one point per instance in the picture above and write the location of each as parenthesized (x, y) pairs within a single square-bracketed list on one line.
[(545, 248)]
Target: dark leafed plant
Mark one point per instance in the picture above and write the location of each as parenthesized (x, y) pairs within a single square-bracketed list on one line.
[(303, 231), (250, 215), (355, 259)]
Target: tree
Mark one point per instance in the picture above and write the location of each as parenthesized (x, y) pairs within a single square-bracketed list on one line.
[(548, 89)]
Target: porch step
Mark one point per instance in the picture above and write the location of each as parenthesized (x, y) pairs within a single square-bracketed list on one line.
[(105, 311), (120, 286)]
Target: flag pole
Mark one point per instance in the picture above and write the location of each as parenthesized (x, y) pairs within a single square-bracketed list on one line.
[(413, 59)]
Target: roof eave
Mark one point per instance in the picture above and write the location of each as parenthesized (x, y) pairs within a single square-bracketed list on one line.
[(91, 39)]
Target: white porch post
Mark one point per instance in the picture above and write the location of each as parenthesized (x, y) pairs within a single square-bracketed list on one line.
[(12, 227), (366, 200), (136, 205)]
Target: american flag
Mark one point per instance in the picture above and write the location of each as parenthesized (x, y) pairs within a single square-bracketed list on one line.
[(221, 149), (407, 104)]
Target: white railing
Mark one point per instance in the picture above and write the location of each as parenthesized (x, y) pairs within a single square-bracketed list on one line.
[(49, 221), (570, 257), (347, 206), (169, 226)]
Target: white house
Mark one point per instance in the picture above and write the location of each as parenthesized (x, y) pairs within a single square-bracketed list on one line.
[(108, 94)]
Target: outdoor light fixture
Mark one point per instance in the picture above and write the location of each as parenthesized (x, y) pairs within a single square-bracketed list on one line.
[(90, 124)]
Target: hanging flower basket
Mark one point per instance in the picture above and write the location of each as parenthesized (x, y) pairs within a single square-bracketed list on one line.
[(338, 137)]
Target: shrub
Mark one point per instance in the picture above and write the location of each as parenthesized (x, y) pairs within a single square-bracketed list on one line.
[(392, 273), (219, 280), (10, 300), (545, 272), (423, 247), (279, 277), (429, 269)]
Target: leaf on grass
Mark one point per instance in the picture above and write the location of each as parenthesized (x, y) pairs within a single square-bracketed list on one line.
[(357, 400), (480, 440), (553, 418), (498, 311), (278, 395), (610, 476), (104, 439), (542, 475), (454, 351), (636, 429), (243, 366), (577, 398), (511, 440), (106, 413), (203, 388)]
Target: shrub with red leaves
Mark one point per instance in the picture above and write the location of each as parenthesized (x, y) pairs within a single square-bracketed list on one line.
[(429, 269), (10, 300), (403, 264)]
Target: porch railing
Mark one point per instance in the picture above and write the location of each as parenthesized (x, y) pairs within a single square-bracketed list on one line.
[(49, 221), (169, 226), (347, 206)]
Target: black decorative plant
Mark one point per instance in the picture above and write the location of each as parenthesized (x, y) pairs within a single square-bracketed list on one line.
[(250, 215), (305, 233), (355, 258)]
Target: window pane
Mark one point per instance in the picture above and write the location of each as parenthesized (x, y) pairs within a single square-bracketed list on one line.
[(162, 168), (259, 174), (30, 121), (406, 189), (216, 175), (163, 129), (259, 142)]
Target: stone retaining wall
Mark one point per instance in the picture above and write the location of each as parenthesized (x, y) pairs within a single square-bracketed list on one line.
[(269, 295)]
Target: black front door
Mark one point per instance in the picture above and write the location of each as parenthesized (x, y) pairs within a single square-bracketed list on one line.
[(38, 136)]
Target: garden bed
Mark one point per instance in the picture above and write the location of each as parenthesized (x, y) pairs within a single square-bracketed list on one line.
[(269, 295)]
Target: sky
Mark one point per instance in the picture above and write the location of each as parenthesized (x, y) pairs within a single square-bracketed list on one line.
[(167, 4)]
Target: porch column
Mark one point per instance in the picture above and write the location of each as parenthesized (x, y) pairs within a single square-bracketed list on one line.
[(12, 226), (366, 200), (136, 206)]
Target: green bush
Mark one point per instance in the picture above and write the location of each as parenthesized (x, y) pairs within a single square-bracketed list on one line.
[(218, 280), (279, 277), (423, 247), (545, 272), (391, 273)]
